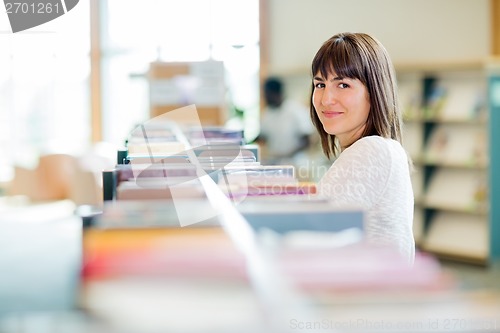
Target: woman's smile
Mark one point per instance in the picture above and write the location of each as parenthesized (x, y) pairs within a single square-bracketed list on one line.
[(332, 114)]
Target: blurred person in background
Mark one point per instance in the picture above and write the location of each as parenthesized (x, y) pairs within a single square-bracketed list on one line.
[(286, 127)]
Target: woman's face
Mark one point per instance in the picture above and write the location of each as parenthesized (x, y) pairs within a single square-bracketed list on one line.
[(342, 105)]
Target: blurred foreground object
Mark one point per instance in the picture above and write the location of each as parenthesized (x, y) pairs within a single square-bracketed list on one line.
[(58, 177)]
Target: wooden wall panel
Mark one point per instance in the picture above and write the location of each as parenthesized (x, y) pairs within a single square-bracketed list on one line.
[(495, 27)]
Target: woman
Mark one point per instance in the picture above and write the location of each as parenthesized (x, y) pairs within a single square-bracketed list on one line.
[(355, 110)]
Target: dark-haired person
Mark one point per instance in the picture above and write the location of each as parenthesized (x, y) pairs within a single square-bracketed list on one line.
[(354, 107), (285, 125)]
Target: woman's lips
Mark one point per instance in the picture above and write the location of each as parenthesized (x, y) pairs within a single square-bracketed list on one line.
[(331, 114)]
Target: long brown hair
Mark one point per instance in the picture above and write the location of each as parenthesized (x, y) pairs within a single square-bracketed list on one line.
[(360, 56)]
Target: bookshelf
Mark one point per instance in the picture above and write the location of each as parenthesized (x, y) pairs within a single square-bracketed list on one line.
[(449, 114)]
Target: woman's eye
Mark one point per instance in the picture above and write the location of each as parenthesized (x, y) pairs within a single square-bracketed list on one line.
[(343, 85), (319, 85)]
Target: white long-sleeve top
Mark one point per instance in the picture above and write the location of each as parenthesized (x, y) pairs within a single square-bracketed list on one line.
[(284, 127), (374, 174)]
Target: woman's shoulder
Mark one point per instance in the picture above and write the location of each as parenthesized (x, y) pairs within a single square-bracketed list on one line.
[(379, 143), (377, 147), (375, 140)]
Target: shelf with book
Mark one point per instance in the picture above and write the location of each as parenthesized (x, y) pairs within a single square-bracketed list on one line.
[(447, 112)]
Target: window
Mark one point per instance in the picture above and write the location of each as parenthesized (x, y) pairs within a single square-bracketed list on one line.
[(44, 89), (45, 71), (138, 33)]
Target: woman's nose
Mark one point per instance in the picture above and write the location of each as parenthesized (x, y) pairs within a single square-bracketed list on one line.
[(329, 97)]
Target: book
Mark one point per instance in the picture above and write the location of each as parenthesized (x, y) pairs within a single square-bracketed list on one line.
[(290, 213), (156, 148), (464, 99), (157, 213), (214, 134), (458, 234), (262, 181), (417, 182), (456, 189), (154, 189), (358, 268), (418, 225), (412, 139), (460, 144), (124, 253), (135, 171)]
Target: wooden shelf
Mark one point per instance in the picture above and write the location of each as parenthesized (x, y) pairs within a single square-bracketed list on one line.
[(457, 209), (437, 120), (450, 164), (447, 65), (454, 256), (449, 148)]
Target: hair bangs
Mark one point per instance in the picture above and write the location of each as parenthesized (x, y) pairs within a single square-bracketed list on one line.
[(338, 57)]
